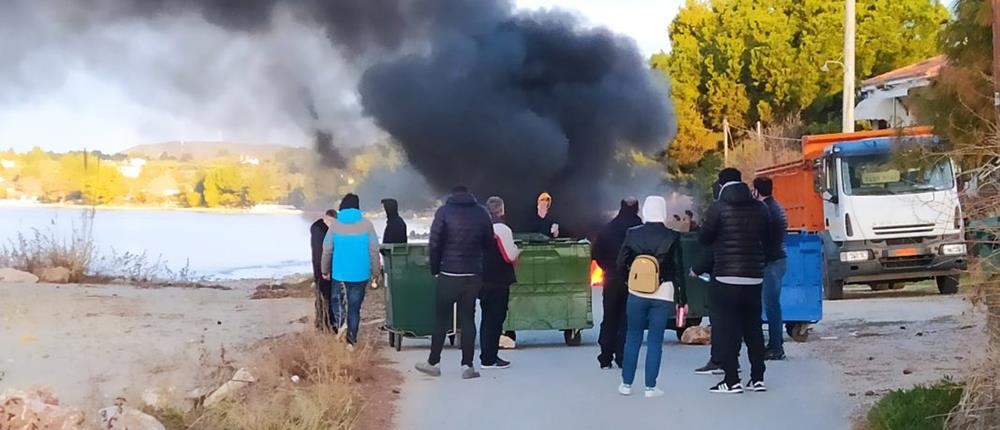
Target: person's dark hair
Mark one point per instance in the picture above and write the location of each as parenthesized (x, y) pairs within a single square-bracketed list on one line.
[(460, 189), (332, 213), (730, 174), (677, 217), (350, 201), (763, 185), (689, 213)]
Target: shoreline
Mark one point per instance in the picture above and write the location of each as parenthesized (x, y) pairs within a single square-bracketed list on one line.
[(266, 210)]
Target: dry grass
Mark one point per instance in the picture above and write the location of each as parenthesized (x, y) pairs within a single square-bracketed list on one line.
[(779, 144), (48, 248), (325, 395)]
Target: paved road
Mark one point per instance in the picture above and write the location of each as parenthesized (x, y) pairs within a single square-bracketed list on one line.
[(552, 386)]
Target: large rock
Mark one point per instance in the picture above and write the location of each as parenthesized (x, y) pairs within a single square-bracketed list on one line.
[(121, 417), (699, 335), (241, 379), (37, 409), (55, 275), (15, 276)]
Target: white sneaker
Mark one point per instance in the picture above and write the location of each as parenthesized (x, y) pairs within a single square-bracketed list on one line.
[(653, 392), (625, 389)]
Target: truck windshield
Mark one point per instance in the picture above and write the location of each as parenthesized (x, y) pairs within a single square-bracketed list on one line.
[(876, 175)]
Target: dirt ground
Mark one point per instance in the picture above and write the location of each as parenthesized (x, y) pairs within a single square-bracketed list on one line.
[(885, 341)]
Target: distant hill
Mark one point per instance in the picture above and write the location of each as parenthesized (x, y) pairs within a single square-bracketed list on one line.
[(207, 150)]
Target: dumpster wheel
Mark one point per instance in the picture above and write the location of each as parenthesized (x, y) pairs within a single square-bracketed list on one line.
[(573, 337), (798, 331)]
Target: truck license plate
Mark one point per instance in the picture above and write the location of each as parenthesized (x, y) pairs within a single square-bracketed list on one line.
[(904, 252)]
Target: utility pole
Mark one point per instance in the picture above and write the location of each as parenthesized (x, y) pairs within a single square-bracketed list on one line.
[(996, 59), (848, 113), (725, 141)]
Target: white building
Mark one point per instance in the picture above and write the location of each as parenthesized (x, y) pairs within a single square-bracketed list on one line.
[(251, 160), (8, 164), (133, 168), (884, 97)]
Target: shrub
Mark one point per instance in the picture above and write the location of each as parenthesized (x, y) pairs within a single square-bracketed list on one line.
[(918, 408)]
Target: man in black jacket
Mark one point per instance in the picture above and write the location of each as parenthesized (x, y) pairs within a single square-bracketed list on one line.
[(395, 227), (324, 313), (774, 267), (736, 228), (606, 247), (460, 235)]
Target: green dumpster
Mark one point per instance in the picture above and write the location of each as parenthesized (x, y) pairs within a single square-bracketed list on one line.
[(985, 241), (409, 293), (553, 288)]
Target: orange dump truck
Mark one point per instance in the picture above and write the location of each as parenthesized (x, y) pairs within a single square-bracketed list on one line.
[(885, 218)]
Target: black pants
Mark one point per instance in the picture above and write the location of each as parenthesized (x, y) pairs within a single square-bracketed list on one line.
[(612, 337), (736, 316), (462, 290), (493, 301), (324, 313)]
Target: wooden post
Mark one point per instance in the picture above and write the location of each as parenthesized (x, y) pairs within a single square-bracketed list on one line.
[(725, 141)]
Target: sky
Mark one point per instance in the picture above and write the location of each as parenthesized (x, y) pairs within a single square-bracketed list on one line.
[(87, 108), (646, 21)]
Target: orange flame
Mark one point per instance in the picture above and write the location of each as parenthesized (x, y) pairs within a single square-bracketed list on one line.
[(596, 275)]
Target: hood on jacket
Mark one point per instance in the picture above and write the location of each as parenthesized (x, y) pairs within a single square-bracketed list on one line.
[(628, 212), (654, 209), (391, 207), (462, 198), (736, 193), (349, 216)]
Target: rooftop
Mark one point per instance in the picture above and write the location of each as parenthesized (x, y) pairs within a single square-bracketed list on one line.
[(925, 69)]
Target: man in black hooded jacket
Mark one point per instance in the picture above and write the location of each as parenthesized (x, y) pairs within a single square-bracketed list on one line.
[(736, 228), (615, 294), (324, 314), (395, 227)]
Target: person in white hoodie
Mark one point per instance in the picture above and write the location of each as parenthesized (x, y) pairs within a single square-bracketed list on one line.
[(650, 311)]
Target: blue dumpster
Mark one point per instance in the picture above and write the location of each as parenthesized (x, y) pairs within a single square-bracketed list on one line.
[(802, 285)]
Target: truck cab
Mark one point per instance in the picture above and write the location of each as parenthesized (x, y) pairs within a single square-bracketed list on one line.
[(891, 214)]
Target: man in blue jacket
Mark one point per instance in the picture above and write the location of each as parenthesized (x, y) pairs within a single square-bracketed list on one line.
[(461, 234), (351, 247)]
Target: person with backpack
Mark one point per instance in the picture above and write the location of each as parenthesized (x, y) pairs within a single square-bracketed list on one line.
[(736, 228), (651, 255)]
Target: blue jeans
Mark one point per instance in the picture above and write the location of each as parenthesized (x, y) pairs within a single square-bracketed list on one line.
[(642, 314), (337, 309), (355, 297), (773, 272)]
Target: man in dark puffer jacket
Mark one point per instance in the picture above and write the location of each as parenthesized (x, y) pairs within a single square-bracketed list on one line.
[(736, 228), (460, 235)]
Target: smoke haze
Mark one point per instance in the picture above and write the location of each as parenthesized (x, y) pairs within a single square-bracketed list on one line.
[(507, 102)]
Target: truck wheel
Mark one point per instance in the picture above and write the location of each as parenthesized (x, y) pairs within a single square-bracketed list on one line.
[(833, 289), (392, 339), (399, 342), (573, 337), (947, 284)]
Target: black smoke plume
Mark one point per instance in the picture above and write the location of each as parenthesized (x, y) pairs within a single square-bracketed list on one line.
[(521, 104), (508, 102)]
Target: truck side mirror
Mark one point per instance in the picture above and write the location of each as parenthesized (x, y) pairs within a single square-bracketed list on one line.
[(830, 197)]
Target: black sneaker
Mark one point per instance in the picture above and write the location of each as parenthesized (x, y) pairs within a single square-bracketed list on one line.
[(723, 388), (774, 355), (500, 364), (757, 386), (709, 369)]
